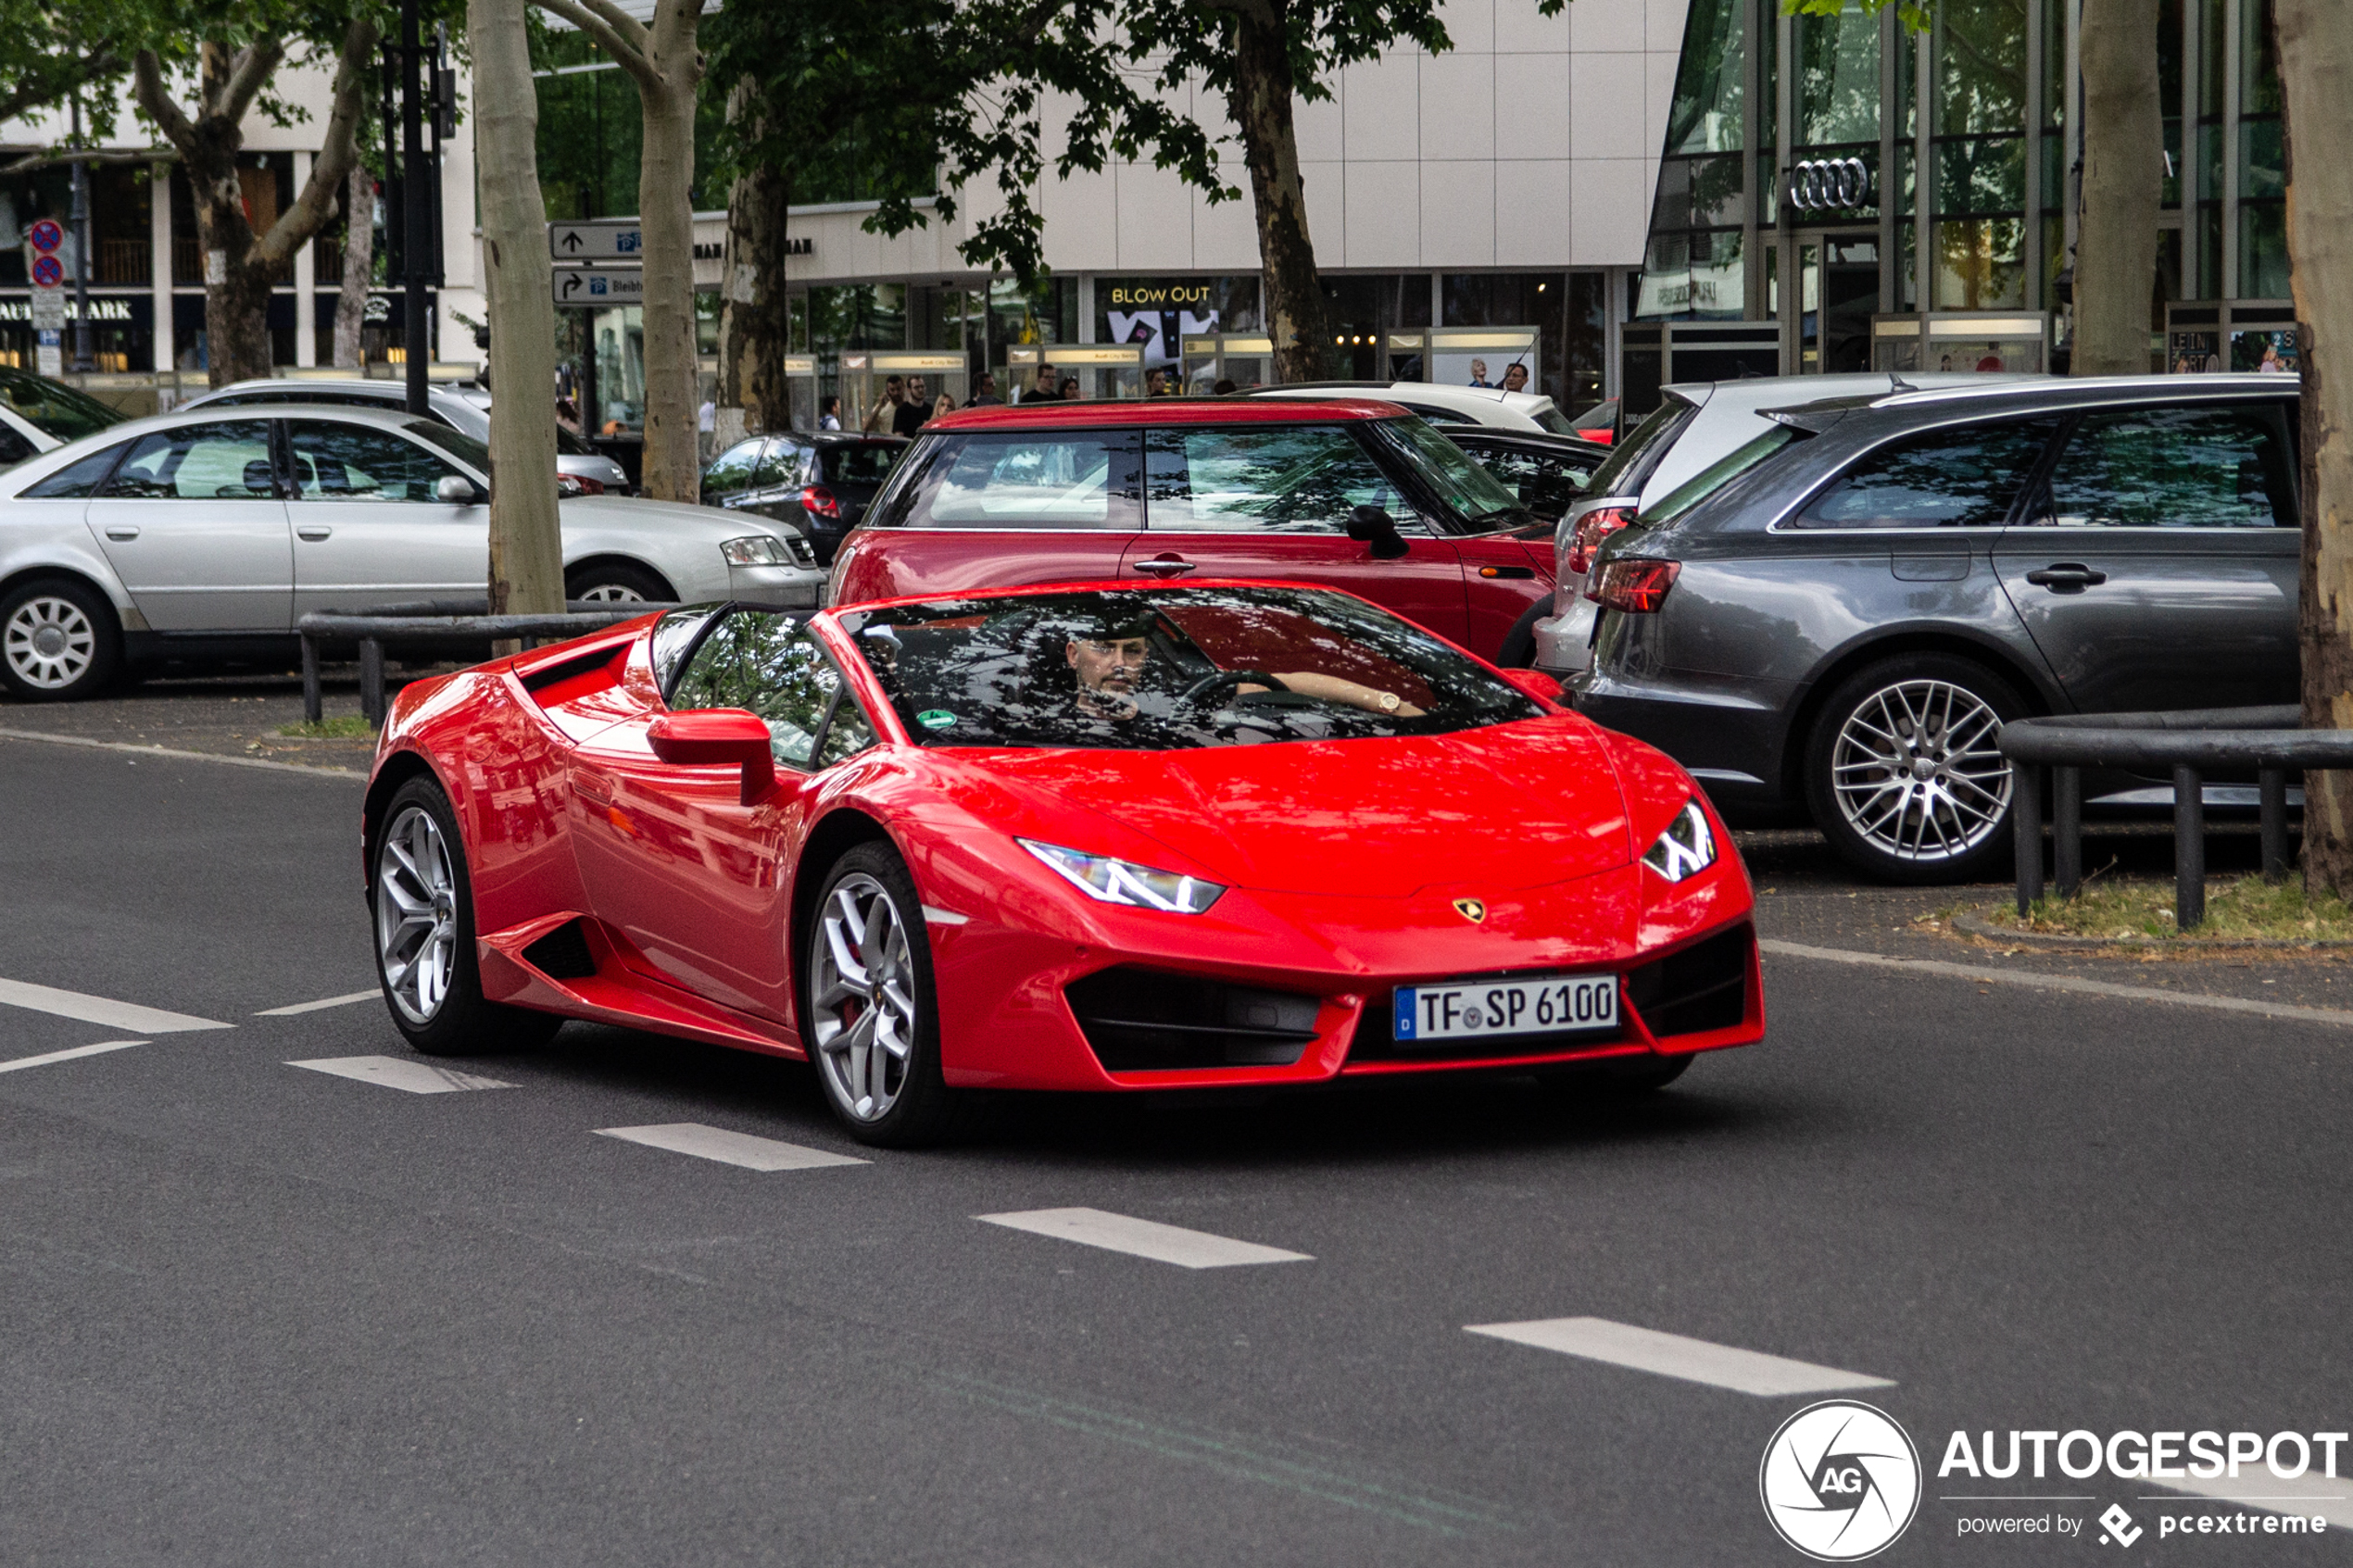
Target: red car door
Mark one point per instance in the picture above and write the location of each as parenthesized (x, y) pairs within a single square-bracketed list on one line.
[(1275, 500), (995, 509), (1504, 575), (669, 851)]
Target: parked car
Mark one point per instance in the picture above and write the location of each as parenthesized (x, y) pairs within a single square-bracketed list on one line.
[(821, 482), (1695, 428), (591, 471), (1349, 492), (1442, 405), (1849, 624), (1544, 473), (39, 415), (1040, 839), (205, 535)]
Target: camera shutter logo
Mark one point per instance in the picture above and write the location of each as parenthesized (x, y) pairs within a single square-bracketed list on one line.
[(1840, 1481)]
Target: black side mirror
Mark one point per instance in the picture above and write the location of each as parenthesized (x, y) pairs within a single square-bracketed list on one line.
[(1370, 525)]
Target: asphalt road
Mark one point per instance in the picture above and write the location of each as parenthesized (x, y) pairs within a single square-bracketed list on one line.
[(260, 1314)]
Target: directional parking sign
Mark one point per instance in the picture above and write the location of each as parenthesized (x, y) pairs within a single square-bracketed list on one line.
[(45, 236), (604, 285), (596, 239)]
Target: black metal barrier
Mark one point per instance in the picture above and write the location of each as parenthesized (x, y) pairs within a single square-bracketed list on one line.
[(436, 623), (2190, 743)]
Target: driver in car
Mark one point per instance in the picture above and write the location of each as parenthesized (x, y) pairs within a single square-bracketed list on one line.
[(1110, 664)]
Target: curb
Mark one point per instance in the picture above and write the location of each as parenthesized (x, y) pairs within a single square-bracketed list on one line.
[(1970, 924)]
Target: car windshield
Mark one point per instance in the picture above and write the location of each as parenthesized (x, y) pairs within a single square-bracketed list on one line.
[(1551, 418), (865, 462), (1717, 474), (1470, 490), (55, 408), (1168, 668), (459, 445)]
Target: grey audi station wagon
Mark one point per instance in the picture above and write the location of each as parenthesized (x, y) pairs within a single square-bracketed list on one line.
[(1847, 623)]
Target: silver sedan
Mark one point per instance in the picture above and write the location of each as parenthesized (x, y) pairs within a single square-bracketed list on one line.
[(206, 534)]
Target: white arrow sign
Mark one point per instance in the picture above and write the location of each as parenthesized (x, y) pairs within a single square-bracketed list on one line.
[(604, 285), (596, 239)]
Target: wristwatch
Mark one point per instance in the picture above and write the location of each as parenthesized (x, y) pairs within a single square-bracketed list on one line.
[(1388, 702)]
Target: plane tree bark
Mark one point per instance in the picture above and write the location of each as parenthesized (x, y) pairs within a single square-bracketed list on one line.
[(2116, 254)]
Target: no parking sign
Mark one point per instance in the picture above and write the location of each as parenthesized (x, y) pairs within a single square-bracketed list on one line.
[(45, 236), (48, 273)]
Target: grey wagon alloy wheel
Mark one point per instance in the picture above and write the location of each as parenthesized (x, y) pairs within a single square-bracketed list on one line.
[(863, 980), (1917, 773), (49, 642), (416, 915)]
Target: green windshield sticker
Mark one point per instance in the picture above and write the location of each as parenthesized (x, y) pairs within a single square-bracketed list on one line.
[(936, 719)]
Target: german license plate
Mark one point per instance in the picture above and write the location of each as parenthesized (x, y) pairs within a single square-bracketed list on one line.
[(1545, 1004)]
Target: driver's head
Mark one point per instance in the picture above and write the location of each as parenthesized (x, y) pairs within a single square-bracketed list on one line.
[(1110, 656)]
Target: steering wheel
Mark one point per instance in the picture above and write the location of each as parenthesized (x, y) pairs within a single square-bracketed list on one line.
[(1228, 679)]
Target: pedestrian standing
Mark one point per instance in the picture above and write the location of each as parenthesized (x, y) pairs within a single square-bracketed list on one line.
[(1047, 388), (829, 414), (1515, 377), (946, 404), (883, 417), (914, 407), (985, 392), (1070, 389)]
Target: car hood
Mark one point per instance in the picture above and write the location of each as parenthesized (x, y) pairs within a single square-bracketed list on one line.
[(1513, 806), (674, 518)]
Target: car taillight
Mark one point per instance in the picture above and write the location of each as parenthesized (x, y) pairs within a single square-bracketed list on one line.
[(1636, 587), (818, 501), (1591, 528), (587, 486)]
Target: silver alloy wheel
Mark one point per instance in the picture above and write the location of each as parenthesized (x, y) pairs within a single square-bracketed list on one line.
[(49, 642), (416, 915), (612, 593), (863, 980), (1917, 770)]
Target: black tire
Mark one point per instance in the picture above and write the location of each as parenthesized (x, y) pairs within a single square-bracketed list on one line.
[(1518, 651), (59, 641), (901, 1108), (459, 1021), (1864, 783), (617, 580)]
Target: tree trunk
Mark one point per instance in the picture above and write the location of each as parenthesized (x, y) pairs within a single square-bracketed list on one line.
[(754, 323), (236, 294), (526, 543), (358, 263), (665, 209), (2316, 69), (1261, 106), (2116, 258)]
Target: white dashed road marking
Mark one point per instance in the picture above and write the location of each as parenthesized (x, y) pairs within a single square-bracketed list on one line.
[(1671, 1355), (320, 1005), (98, 1049), (730, 1149), (100, 1009), (2328, 1497), (1145, 1239), (400, 1072)]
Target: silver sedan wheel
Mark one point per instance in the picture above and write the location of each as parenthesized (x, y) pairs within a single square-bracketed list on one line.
[(49, 642), (613, 593), (863, 980), (1917, 770), (416, 915)]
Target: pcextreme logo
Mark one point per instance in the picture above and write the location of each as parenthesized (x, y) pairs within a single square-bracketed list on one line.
[(1840, 1480)]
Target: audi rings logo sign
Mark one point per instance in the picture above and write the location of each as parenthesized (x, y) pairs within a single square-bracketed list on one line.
[(1830, 184), (1840, 1481)]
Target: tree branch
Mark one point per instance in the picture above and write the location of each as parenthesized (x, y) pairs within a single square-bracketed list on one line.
[(47, 159), (338, 151), (38, 90), (255, 64), (155, 98), (627, 53)]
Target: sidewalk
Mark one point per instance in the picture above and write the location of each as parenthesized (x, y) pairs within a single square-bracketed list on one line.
[(222, 715)]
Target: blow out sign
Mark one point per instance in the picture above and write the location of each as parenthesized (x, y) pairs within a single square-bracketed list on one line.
[(1159, 295)]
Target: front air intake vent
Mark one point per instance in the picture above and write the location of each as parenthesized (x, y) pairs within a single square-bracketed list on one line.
[(1144, 1021), (1702, 988)]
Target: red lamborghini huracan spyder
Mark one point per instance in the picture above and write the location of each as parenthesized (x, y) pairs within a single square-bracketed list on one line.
[(1100, 838)]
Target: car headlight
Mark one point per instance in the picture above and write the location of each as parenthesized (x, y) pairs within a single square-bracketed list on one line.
[(1123, 882), (1686, 849), (756, 549)]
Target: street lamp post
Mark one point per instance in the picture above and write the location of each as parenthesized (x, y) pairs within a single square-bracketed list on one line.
[(82, 364), (416, 225)]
